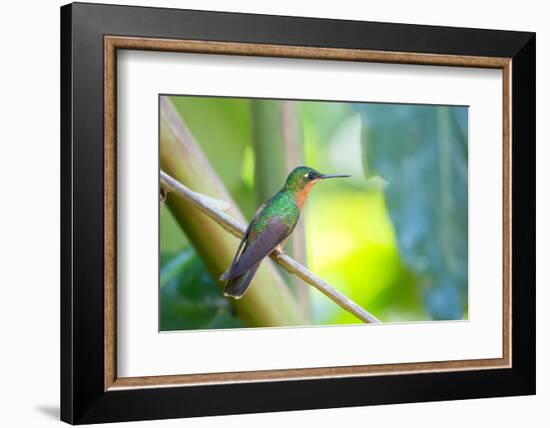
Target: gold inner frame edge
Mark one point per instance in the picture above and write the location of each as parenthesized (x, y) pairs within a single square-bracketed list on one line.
[(113, 43)]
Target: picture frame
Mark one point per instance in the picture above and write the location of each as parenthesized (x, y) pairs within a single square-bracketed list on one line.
[(91, 35)]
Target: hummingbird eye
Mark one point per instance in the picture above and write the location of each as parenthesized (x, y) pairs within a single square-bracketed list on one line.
[(310, 176)]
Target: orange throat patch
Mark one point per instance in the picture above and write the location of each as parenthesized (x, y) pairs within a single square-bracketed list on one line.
[(301, 196)]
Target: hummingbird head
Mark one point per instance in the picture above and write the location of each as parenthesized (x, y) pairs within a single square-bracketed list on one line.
[(302, 179)]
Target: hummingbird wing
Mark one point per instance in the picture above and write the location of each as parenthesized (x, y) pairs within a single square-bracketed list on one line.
[(264, 243), (226, 275)]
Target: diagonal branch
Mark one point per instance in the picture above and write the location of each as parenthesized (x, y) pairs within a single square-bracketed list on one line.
[(205, 205), (270, 305)]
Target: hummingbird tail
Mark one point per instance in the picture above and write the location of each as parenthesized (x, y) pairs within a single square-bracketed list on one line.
[(225, 275), (236, 287)]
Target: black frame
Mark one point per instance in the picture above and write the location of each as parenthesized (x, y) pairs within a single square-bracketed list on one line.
[(83, 399)]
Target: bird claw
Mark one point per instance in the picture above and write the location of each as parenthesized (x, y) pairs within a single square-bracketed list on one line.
[(280, 254)]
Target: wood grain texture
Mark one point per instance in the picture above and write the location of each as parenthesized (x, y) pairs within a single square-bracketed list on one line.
[(112, 43), (308, 373), (110, 221), (507, 214), (301, 52)]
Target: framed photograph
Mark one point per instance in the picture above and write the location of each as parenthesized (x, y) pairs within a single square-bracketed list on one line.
[(266, 213)]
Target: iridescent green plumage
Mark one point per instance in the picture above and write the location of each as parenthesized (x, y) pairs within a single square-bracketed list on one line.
[(282, 205), (271, 226)]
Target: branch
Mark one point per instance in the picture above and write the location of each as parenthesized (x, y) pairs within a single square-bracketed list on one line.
[(204, 204), (271, 303)]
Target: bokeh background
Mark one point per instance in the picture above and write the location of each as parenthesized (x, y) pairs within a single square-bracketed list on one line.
[(393, 237)]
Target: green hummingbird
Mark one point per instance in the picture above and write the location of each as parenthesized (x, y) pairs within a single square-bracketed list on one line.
[(270, 228)]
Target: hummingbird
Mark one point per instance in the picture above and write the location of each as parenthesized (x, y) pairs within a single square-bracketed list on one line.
[(270, 228)]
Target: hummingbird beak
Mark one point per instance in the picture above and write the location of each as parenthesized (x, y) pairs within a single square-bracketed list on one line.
[(323, 176)]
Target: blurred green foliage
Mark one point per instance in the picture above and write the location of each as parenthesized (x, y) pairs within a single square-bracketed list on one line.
[(422, 154), (393, 237), (189, 296)]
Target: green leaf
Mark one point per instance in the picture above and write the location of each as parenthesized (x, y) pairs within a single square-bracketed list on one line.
[(422, 153), (189, 298)]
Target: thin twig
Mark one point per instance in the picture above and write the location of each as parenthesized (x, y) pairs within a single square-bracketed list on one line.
[(204, 204)]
